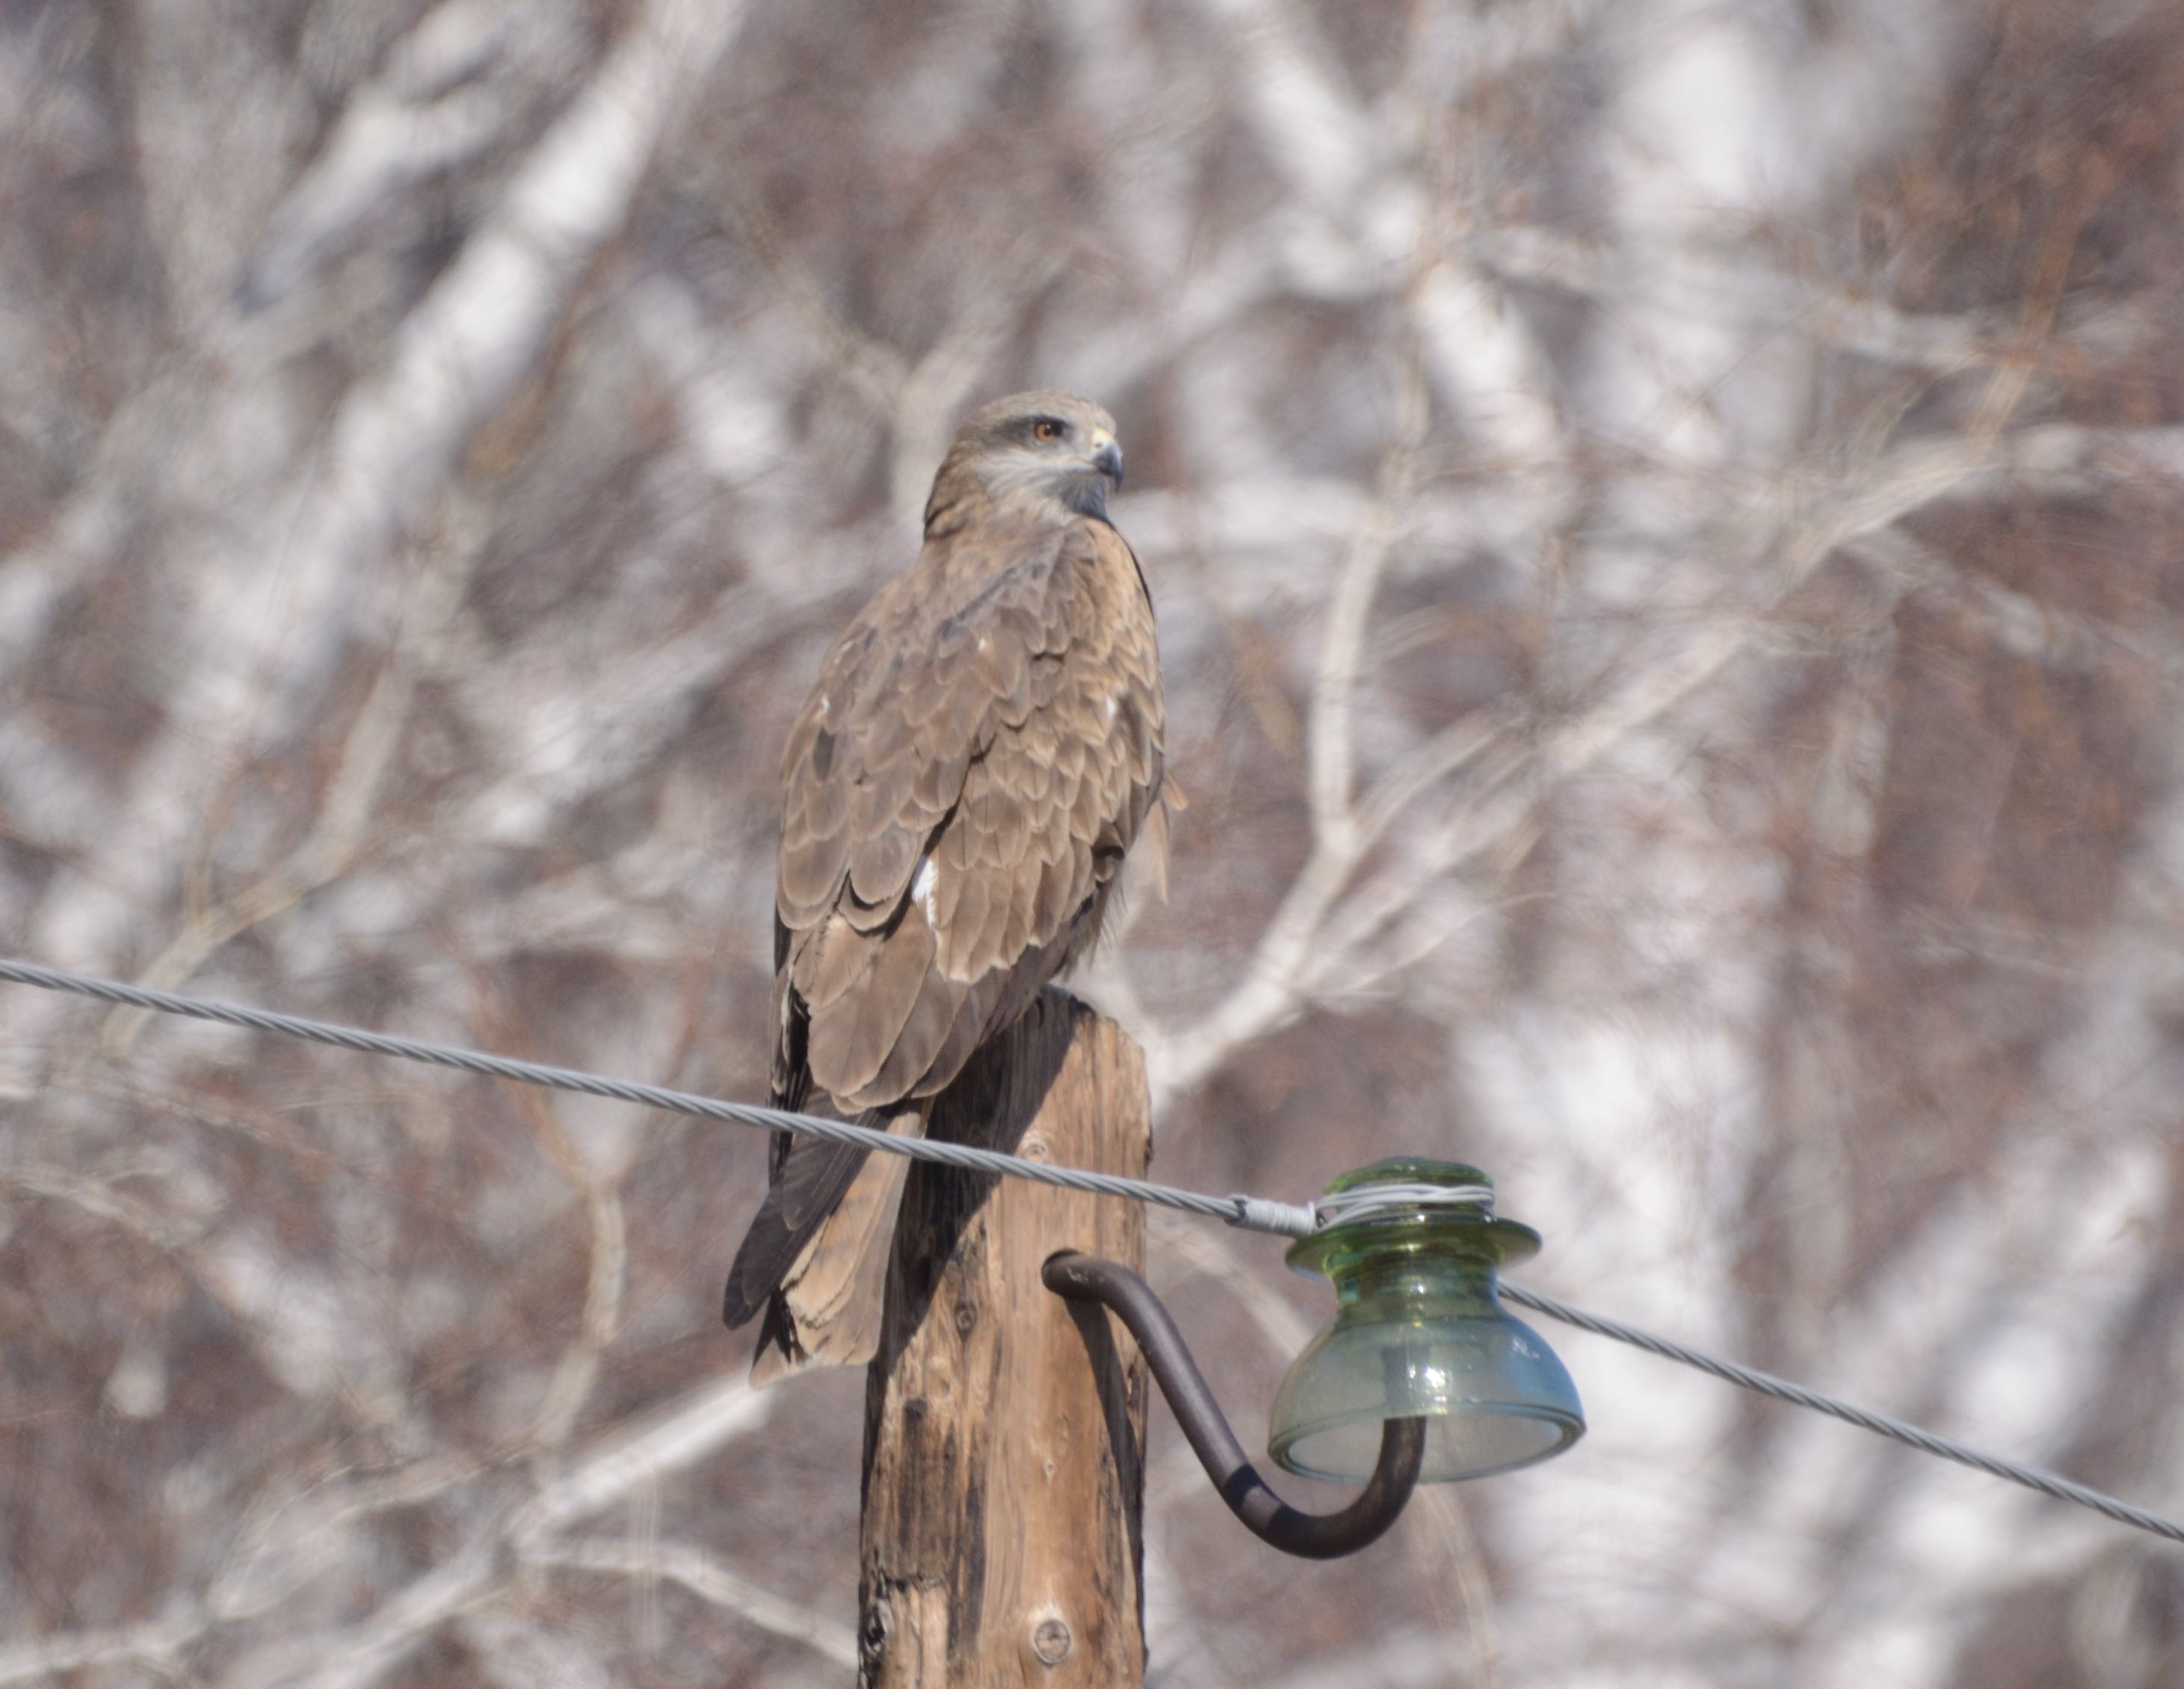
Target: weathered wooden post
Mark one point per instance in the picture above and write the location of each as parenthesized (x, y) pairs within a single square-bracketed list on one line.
[(1004, 1480)]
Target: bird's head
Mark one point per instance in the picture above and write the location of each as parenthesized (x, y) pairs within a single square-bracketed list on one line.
[(1038, 448)]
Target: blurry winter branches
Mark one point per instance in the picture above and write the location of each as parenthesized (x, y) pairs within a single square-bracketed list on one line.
[(1668, 524)]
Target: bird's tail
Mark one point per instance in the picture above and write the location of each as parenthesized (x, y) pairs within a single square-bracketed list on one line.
[(815, 1258)]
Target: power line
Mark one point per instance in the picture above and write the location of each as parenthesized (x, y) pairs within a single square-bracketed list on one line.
[(1881, 1424), (1258, 1213)]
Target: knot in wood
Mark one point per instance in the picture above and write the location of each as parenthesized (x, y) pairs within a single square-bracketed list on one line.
[(1033, 1147), (1051, 1640), (967, 1315), (872, 1637)]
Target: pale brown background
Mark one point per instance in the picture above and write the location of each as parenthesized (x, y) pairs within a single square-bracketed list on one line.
[(1668, 521)]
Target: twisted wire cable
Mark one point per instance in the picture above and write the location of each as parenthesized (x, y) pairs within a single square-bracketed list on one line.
[(1881, 1425), (1258, 1213)]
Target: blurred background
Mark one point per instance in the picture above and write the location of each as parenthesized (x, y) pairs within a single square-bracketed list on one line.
[(1668, 525)]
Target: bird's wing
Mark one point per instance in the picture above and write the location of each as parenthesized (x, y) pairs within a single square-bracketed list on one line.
[(965, 792)]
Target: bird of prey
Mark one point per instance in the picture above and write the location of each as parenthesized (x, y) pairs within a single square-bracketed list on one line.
[(982, 747)]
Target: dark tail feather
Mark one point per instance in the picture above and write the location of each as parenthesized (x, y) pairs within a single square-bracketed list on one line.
[(809, 1180), (777, 1333), (762, 1260)]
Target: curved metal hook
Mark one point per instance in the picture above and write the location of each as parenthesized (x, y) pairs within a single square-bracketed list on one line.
[(1316, 1536)]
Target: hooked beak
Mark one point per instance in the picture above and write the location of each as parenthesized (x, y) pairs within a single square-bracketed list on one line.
[(1106, 455)]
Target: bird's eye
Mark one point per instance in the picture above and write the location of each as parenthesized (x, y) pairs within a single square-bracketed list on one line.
[(1046, 430)]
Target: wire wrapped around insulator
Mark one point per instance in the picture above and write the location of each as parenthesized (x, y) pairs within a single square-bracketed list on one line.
[(1316, 1536)]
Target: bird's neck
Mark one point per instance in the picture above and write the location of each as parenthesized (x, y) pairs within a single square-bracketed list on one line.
[(964, 492)]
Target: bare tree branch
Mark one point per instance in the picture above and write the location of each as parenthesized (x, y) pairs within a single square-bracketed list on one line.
[(705, 1577)]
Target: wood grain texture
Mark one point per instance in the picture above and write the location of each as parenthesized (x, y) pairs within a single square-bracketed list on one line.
[(1003, 1427)]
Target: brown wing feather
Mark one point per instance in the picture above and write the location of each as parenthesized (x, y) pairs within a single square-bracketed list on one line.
[(1043, 690)]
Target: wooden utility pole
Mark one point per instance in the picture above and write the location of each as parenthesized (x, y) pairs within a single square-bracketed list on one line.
[(1005, 1428)]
